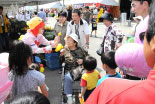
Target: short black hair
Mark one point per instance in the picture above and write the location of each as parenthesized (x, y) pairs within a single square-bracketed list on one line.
[(151, 25), (149, 1), (77, 11), (87, 7), (108, 58), (31, 97), (1, 7), (35, 13), (18, 57), (89, 63), (61, 13)]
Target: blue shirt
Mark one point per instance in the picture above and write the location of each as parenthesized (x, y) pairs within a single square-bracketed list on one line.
[(42, 15), (117, 75)]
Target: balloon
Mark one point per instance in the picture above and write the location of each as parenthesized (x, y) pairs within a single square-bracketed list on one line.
[(130, 40), (99, 15), (21, 37), (59, 34), (5, 83), (58, 48), (130, 59)]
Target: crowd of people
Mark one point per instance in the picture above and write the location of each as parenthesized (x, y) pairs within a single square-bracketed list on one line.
[(25, 84)]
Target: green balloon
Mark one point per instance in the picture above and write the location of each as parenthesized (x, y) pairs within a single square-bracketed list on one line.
[(130, 40)]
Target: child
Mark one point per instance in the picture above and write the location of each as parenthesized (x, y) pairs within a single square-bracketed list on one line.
[(90, 78), (24, 79), (34, 37), (109, 65), (120, 91), (31, 97), (94, 24)]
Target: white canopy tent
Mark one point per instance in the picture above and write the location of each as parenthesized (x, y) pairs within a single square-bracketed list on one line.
[(25, 2), (106, 2), (52, 5)]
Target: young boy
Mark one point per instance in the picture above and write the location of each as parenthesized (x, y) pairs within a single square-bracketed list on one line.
[(94, 24), (90, 78), (120, 91), (109, 65)]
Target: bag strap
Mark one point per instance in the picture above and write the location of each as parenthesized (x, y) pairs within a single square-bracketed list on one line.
[(102, 45)]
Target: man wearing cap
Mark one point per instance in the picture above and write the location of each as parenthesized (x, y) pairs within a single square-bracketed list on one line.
[(80, 28), (34, 37), (4, 40), (141, 8)]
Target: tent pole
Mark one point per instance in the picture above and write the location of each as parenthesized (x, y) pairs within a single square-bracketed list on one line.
[(63, 5), (37, 6)]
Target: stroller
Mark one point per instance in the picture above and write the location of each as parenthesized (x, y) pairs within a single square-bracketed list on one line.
[(76, 89)]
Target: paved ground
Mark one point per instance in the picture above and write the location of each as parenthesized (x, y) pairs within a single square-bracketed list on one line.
[(53, 79)]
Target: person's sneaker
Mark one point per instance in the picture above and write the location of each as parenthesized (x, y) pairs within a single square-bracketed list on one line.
[(95, 36)]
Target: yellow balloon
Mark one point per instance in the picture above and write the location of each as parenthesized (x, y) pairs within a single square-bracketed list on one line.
[(21, 37), (59, 47), (99, 15), (59, 34)]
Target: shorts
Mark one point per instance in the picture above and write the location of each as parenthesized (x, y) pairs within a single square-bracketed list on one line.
[(94, 27)]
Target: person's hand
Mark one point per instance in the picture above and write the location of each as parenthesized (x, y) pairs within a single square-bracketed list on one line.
[(56, 41), (117, 46), (80, 61), (62, 52), (80, 96)]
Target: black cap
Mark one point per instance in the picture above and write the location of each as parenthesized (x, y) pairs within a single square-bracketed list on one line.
[(108, 16), (64, 14)]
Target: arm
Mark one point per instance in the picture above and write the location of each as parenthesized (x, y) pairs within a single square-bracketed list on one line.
[(87, 39), (87, 32), (83, 85), (83, 90), (119, 35), (44, 89)]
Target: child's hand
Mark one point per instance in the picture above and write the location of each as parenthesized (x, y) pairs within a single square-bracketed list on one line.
[(80, 96)]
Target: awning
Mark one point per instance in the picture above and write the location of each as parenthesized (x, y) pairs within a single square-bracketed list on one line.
[(25, 2), (52, 5), (106, 2)]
